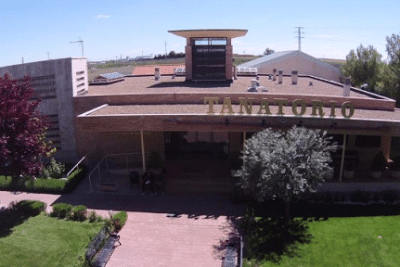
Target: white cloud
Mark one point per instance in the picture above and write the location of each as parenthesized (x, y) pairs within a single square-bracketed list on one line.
[(103, 16)]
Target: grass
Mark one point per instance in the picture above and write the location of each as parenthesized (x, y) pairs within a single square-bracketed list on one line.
[(346, 241), (46, 241)]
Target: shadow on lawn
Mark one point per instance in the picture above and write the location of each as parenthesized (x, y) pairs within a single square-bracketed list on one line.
[(269, 238), (14, 215)]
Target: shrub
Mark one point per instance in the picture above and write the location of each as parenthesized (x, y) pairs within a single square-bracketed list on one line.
[(336, 197), (92, 216), (390, 196), (54, 170), (360, 196), (327, 197), (376, 197), (79, 213), (118, 220), (344, 196), (30, 207), (61, 210)]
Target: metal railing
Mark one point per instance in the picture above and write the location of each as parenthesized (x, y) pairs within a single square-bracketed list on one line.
[(124, 161), (75, 167)]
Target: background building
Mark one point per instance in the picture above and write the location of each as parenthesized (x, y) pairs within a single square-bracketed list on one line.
[(56, 82), (287, 61)]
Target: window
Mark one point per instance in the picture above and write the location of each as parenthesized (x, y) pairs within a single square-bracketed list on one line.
[(370, 141)]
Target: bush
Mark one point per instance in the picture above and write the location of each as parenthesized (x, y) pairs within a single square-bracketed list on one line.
[(360, 196), (52, 186), (92, 216), (118, 220), (79, 213), (344, 196), (30, 207), (390, 196), (61, 210), (327, 197), (54, 170)]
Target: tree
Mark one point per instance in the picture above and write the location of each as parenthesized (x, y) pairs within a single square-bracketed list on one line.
[(391, 72), (22, 129), (363, 66), (285, 166), (268, 51), (393, 49)]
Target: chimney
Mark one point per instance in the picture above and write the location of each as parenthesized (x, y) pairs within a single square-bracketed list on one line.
[(294, 76), (280, 76), (157, 74), (346, 87), (274, 75), (235, 73)]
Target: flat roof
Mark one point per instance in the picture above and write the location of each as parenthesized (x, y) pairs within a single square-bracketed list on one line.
[(182, 110), (148, 85), (212, 33)]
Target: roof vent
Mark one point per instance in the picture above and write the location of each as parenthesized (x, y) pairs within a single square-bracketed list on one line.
[(280, 77), (346, 87), (274, 75), (157, 74), (295, 76), (310, 84)]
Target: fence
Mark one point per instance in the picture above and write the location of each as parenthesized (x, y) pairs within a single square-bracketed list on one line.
[(117, 162)]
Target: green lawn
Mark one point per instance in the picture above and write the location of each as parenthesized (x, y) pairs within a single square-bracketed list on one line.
[(47, 241), (348, 241)]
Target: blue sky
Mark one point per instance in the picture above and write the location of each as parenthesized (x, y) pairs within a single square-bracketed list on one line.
[(31, 29)]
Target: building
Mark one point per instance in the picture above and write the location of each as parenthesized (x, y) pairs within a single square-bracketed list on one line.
[(286, 61), (56, 82), (199, 122)]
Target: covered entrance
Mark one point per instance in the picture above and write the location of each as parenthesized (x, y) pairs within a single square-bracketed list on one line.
[(197, 162)]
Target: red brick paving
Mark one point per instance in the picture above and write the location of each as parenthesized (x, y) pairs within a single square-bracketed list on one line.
[(150, 239)]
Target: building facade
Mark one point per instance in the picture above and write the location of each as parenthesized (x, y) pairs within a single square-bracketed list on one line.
[(56, 82)]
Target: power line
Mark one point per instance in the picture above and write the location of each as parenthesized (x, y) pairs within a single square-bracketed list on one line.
[(299, 32)]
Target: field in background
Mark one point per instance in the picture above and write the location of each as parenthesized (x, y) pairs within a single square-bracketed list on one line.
[(127, 68)]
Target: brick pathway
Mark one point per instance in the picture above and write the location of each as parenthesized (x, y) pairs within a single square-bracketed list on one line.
[(151, 239)]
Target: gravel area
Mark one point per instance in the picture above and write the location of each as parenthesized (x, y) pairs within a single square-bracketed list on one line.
[(147, 85)]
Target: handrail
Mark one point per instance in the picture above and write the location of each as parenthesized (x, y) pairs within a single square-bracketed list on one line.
[(105, 158), (76, 165)]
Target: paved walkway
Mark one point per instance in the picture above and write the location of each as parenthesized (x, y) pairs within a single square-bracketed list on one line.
[(150, 238)]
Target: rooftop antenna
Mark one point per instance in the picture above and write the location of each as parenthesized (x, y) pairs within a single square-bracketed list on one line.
[(299, 32), (80, 41), (48, 55)]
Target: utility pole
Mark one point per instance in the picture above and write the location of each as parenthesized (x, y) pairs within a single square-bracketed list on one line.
[(81, 42), (22, 60), (299, 32), (165, 50), (48, 55)]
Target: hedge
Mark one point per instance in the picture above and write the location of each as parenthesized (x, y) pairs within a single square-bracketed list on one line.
[(30, 207), (118, 220), (61, 210), (50, 186)]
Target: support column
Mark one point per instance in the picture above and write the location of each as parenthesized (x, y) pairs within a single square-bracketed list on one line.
[(386, 142), (188, 60), (143, 155), (343, 155)]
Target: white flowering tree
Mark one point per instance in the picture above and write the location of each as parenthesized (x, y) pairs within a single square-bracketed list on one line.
[(285, 165)]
